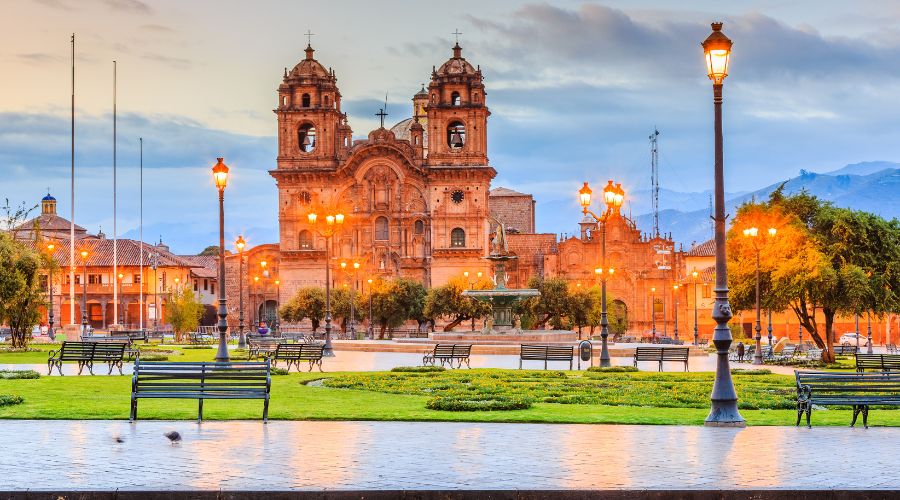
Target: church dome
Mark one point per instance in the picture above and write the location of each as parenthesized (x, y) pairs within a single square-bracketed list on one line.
[(456, 65), (403, 130), (48, 198), (309, 67)]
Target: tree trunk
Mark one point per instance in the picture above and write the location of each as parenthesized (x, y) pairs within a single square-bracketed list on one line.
[(828, 354), (453, 324), (315, 325), (383, 328)]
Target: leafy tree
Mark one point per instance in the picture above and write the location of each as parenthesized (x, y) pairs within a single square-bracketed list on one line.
[(20, 292), (213, 250), (394, 302), (828, 259), (340, 306), (308, 302), (183, 311), (448, 301), (582, 302), (553, 303)]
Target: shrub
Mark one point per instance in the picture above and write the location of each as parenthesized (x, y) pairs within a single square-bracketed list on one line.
[(153, 357), (279, 371), (9, 400), (612, 369), (751, 371), (203, 346), (418, 369), (17, 349), (18, 374), (478, 402)]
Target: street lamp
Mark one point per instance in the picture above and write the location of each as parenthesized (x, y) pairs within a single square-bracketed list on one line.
[(723, 399), (869, 332), (84, 320), (240, 243), (121, 309), (471, 287), (371, 327), (50, 248), (675, 300), (265, 294), (653, 314), (220, 175), (332, 224), (613, 196), (277, 322), (694, 275), (753, 234), (353, 299)]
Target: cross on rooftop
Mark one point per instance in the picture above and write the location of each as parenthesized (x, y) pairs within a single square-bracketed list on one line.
[(456, 33), (382, 114), (309, 34)]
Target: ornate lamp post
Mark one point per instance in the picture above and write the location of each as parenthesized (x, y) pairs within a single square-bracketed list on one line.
[(265, 294), (332, 224), (695, 274), (254, 316), (771, 349), (471, 287), (869, 332), (723, 410), (653, 314), (84, 318), (371, 327), (353, 299), (220, 175), (50, 248), (613, 196), (753, 234), (675, 302), (240, 243)]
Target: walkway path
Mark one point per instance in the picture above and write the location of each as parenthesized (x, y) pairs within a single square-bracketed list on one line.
[(78, 455)]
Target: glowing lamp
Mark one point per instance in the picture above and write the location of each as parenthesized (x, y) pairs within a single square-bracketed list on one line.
[(584, 196), (717, 52), (240, 243), (220, 174)]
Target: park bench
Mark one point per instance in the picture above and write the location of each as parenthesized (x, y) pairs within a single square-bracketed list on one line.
[(85, 354), (182, 380), (787, 354), (447, 353), (814, 354), (661, 354), (859, 390), (844, 350), (546, 353), (295, 353), (892, 349), (130, 351), (132, 335), (878, 362), (261, 347)]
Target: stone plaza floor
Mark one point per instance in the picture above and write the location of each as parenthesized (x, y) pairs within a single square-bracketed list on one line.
[(248, 455)]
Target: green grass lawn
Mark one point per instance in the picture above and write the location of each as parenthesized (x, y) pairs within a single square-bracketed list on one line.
[(38, 353), (392, 396)]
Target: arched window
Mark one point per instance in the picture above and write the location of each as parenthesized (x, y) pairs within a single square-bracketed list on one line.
[(381, 228), (476, 97), (346, 142), (306, 137), (284, 101), (455, 99), (458, 238), (433, 97), (419, 227), (304, 198), (304, 101), (327, 102), (456, 135), (305, 240)]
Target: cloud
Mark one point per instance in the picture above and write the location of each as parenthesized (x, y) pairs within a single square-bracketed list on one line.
[(133, 6), (40, 58), (157, 28), (173, 62)]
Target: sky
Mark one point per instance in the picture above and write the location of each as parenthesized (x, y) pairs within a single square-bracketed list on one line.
[(575, 88)]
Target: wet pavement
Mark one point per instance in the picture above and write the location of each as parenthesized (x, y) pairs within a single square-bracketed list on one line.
[(243, 455)]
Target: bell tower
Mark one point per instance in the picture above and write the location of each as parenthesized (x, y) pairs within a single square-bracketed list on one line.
[(312, 130), (457, 114)]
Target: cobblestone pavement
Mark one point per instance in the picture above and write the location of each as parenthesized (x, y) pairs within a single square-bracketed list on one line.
[(376, 361), (243, 455)]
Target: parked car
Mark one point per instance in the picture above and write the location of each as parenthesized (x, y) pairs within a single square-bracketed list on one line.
[(849, 338)]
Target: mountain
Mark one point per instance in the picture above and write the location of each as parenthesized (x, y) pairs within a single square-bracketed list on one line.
[(870, 186)]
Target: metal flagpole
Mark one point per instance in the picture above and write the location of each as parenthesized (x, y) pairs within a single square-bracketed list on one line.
[(141, 237), (115, 233), (72, 201)]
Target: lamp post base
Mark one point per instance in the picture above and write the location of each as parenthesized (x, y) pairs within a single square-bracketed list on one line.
[(222, 352)]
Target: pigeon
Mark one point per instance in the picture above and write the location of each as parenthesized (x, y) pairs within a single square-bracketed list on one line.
[(173, 436), (119, 439)]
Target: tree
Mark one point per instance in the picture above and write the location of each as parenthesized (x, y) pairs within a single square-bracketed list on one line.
[(308, 302), (553, 303), (448, 301), (828, 259), (340, 306), (183, 311), (213, 250), (20, 291), (582, 302), (395, 301)]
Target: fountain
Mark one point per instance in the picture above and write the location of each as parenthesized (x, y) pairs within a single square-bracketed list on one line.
[(502, 299)]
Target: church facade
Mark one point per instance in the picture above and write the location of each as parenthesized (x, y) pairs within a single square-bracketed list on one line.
[(414, 197)]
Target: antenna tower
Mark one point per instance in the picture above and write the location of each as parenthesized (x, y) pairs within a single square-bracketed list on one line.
[(654, 178)]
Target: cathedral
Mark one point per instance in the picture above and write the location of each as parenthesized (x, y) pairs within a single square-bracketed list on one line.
[(414, 197)]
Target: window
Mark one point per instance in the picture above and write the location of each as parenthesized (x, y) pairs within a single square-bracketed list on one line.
[(212, 288), (94, 279), (284, 101), (306, 137), (381, 228), (476, 97), (456, 135), (136, 279), (327, 102), (196, 285), (205, 285), (455, 99), (657, 307), (419, 227), (305, 240), (433, 97), (705, 291), (304, 198), (458, 238), (305, 100)]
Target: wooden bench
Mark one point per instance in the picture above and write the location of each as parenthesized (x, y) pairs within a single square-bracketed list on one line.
[(660, 354), (85, 354), (892, 349), (844, 350), (261, 347), (173, 380), (859, 390), (878, 362), (787, 354), (295, 353), (447, 353), (545, 353)]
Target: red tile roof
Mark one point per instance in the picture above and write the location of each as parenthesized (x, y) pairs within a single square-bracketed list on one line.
[(100, 253), (206, 266), (705, 249)]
